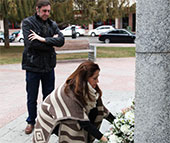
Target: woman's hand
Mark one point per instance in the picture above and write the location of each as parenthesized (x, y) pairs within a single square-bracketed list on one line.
[(34, 36), (104, 139)]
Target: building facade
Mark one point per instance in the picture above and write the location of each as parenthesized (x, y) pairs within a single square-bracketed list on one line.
[(127, 22)]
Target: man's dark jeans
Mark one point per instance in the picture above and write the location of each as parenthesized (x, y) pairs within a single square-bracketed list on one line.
[(32, 87)]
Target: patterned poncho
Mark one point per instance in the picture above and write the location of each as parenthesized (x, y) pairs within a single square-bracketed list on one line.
[(65, 111)]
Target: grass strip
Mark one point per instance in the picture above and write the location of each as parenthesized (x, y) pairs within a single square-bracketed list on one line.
[(13, 55)]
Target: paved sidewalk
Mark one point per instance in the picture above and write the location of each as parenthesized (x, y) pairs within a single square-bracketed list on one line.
[(117, 81)]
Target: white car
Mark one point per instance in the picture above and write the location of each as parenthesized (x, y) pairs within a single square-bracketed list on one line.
[(68, 31), (20, 37), (100, 29)]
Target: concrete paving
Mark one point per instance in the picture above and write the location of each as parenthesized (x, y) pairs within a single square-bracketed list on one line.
[(117, 81)]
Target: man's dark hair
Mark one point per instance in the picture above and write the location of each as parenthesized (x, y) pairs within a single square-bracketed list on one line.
[(41, 3)]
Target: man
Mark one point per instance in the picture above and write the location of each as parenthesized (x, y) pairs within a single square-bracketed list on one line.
[(39, 58)]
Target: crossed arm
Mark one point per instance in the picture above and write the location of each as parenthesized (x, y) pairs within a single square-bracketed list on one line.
[(34, 36), (34, 40)]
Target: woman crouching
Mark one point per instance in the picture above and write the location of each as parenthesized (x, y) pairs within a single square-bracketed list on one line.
[(75, 112)]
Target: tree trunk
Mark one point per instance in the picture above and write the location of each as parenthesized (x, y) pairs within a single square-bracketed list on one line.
[(6, 32)]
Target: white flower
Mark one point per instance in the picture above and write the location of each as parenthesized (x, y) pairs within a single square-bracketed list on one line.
[(130, 115), (116, 120), (122, 129), (119, 139), (107, 134), (112, 138), (125, 128)]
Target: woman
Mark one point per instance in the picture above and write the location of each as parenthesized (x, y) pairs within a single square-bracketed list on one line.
[(76, 110)]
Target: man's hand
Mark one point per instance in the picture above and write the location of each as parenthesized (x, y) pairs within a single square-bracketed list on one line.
[(55, 36), (34, 36)]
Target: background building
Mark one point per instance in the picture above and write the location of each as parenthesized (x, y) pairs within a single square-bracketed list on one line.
[(127, 21)]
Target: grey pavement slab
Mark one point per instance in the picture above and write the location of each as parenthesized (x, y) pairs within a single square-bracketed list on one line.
[(117, 81)]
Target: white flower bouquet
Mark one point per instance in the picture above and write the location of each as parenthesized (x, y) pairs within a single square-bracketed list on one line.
[(122, 129)]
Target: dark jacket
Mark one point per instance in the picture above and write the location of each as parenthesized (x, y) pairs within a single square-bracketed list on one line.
[(40, 56)]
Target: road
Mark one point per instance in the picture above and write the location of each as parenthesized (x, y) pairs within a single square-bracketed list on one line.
[(92, 40)]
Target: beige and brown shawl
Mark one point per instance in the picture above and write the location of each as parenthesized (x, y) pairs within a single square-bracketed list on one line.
[(65, 111)]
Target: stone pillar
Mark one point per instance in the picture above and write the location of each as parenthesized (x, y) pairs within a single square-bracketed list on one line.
[(1, 25), (118, 22), (90, 26), (152, 96), (131, 20)]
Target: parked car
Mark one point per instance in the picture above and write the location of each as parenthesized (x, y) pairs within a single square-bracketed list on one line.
[(117, 36), (100, 29), (2, 38), (20, 37), (68, 31), (15, 34)]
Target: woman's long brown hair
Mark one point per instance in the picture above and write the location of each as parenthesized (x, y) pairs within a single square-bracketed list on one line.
[(77, 81)]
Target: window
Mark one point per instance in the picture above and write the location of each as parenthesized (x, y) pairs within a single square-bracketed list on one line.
[(114, 32), (122, 32), (107, 27)]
